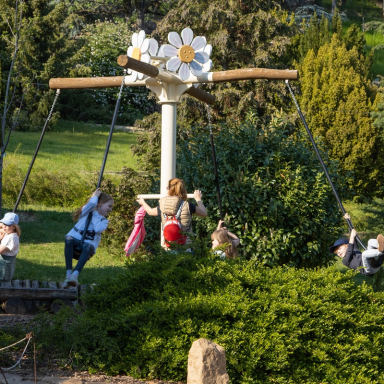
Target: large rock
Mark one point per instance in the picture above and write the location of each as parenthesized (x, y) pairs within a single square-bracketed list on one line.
[(207, 363)]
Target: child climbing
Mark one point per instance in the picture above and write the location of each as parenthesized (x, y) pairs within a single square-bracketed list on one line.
[(9, 246), (173, 205), (369, 262), (98, 206), (222, 237)]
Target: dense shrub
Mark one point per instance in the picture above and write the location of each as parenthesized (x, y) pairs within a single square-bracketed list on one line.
[(274, 194), (277, 325)]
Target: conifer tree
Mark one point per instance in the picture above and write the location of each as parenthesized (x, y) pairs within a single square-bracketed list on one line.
[(243, 34), (337, 24), (337, 99)]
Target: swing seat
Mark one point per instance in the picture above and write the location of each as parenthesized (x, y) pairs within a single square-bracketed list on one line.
[(377, 262)]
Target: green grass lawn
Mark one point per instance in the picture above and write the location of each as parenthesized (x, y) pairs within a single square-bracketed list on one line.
[(71, 146), (79, 148)]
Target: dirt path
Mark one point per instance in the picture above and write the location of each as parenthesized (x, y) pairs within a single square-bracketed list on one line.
[(55, 375)]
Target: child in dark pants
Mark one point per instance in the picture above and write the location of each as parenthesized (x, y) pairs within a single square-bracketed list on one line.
[(100, 205), (369, 262)]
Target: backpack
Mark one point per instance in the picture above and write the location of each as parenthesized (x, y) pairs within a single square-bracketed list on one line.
[(172, 228)]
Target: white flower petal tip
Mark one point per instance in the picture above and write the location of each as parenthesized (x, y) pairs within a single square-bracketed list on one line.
[(153, 47), (207, 66), (208, 49), (187, 36), (196, 68), (140, 38), (145, 58), (134, 40), (184, 72), (201, 57), (174, 39), (145, 46), (129, 51), (169, 50), (173, 64), (198, 43)]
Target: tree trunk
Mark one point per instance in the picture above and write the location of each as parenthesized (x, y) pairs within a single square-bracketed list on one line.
[(334, 5)]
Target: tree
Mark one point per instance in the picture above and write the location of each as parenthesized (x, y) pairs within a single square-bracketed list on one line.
[(243, 34), (337, 99)]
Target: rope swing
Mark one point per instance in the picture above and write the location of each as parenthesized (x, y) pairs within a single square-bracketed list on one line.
[(349, 222)]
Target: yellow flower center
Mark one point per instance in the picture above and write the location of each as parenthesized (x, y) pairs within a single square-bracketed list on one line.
[(186, 53), (136, 53)]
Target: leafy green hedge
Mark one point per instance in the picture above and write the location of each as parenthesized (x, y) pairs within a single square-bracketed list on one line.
[(274, 192), (277, 325)]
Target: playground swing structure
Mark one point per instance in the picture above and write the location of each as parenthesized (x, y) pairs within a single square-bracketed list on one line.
[(171, 71)]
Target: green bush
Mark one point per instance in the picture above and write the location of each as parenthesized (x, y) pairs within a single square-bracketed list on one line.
[(277, 325), (275, 196)]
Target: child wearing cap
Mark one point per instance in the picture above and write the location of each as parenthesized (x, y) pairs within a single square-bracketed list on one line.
[(369, 262), (9, 246)]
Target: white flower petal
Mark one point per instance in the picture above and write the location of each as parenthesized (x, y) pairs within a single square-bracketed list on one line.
[(196, 68), (129, 51), (207, 66), (153, 47), (161, 52), (145, 58), (135, 36), (140, 38), (134, 75), (201, 57), (129, 71), (145, 46), (140, 75), (198, 43), (169, 50), (187, 36), (173, 64), (184, 72), (174, 39), (208, 49)]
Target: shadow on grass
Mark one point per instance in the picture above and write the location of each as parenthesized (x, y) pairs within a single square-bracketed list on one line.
[(92, 273), (44, 226)]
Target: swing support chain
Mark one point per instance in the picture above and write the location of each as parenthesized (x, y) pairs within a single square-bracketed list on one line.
[(349, 222), (36, 151)]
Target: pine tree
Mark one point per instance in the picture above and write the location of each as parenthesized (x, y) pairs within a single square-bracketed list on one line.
[(337, 99)]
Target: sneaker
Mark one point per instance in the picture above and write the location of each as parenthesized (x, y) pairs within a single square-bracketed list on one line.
[(72, 281), (65, 284), (380, 240)]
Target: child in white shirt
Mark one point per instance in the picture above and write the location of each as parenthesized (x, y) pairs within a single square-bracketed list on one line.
[(9, 246)]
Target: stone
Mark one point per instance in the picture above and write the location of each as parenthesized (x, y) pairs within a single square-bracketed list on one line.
[(207, 363)]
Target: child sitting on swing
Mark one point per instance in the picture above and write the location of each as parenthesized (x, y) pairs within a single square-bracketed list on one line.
[(222, 237), (9, 246), (368, 262), (99, 206)]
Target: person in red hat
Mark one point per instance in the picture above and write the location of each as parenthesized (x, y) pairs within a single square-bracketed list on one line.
[(368, 262)]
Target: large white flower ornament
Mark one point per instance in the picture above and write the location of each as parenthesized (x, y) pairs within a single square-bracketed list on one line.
[(141, 49), (187, 54)]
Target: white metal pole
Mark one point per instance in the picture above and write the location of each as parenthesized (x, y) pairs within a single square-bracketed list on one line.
[(168, 145)]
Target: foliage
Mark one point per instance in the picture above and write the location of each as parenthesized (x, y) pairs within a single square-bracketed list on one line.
[(104, 42), (121, 219), (243, 34), (337, 100), (274, 193), (278, 325)]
